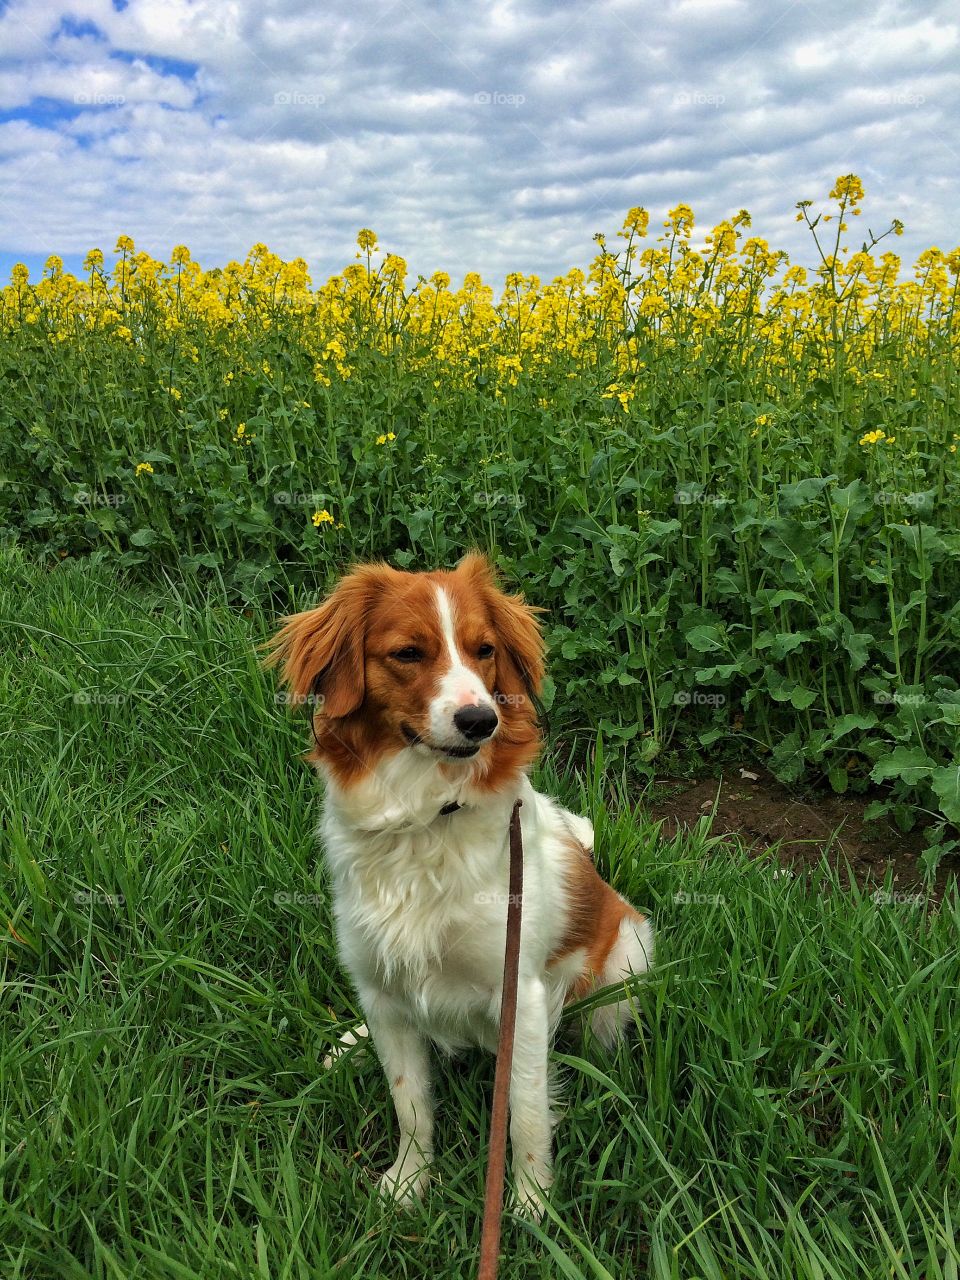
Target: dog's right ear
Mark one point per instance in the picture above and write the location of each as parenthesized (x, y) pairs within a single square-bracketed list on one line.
[(321, 651)]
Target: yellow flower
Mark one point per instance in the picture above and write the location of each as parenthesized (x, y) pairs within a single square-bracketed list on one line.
[(124, 245), (367, 239), (762, 419), (847, 187), (322, 517), (180, 255), (384, 439), (144, 468), (877, 437), (636, 222)]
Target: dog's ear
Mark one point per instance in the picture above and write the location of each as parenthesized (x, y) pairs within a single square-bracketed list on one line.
[(520, 647), (321, 651)]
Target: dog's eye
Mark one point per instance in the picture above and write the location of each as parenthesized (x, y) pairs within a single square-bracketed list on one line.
[(485, 651), (410, 653)]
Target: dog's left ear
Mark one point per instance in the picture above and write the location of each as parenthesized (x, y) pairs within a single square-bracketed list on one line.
[(520, 646)]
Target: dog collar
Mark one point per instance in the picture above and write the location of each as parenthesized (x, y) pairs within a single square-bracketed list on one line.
[(452, 807)]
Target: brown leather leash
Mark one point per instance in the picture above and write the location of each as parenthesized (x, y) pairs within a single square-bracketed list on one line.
[(496, 1158)]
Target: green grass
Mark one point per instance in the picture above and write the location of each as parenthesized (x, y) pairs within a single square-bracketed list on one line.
[(169, 985)]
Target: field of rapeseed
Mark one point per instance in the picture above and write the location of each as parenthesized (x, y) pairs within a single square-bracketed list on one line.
[(732, 480)]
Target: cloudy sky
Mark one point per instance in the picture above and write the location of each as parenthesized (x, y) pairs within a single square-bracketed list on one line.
[(485, 136)]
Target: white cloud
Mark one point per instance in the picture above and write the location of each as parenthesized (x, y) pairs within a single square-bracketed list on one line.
[(484, 137)]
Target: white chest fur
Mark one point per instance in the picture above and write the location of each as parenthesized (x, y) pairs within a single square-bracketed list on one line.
[(421, 899)]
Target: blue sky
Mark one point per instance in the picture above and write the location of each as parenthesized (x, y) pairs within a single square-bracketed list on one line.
[(494, 137)]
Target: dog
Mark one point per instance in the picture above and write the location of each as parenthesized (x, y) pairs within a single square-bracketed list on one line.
[(423, 689)]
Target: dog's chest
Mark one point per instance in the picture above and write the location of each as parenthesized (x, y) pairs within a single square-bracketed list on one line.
[(427, 906)]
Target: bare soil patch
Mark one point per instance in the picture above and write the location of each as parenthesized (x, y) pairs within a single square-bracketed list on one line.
[(803, 828)]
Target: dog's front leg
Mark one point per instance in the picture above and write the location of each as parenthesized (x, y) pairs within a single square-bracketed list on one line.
[(530, 1119), (403, 1055)]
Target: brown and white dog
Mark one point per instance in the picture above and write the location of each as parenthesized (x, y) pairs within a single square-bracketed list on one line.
[(424, 733)]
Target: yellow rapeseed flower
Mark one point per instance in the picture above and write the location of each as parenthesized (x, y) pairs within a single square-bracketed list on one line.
[(879, 436), (322, 517), (144, 468)]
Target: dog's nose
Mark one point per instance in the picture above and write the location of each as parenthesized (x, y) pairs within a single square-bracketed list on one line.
[(476, 723)]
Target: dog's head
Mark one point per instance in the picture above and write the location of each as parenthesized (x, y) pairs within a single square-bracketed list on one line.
[(444, 664)]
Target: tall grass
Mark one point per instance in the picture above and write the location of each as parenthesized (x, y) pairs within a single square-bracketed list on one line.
[(169, 986)]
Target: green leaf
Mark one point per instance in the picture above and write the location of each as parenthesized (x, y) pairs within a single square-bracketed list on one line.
[(785, 642), (839, 779), (782, 597), (854, 497), (921, 538), (846, 724), (801, 494), (876, 809), (705, 639), (946, 785), (857, 644), (801, 698), (910, 764), (145, 537), (787, 540)]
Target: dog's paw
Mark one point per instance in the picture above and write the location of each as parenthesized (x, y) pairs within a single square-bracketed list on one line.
[(347, 1041), (405, 1182), (529, 1197)]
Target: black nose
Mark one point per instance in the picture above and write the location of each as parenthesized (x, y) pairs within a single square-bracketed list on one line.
[(476, 723)]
